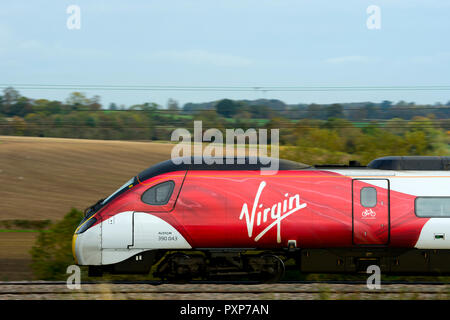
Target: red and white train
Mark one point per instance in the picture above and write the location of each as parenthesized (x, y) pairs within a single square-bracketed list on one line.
[(199, 220)]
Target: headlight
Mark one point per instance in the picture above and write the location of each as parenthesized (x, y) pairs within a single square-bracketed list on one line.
[(86, 225)]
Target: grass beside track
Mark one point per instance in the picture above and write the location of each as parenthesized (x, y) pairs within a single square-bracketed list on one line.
[(15, 258), (20, 230)]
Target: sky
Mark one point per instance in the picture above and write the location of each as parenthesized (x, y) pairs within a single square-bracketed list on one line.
[(239, 43)]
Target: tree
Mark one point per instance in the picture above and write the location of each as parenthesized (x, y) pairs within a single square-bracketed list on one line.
[(44, 106), (358, 114), (370, 111), (94, 103), (401, 103), (261, 112), (227, 108), (172, 105), (19, 126), (77, 99), (396, 126), (10, 96), (334, 111), (314, 111), (386, 104), (21, 108), (52, 252)]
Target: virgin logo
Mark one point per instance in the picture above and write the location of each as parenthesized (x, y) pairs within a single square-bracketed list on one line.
[(277, 213)]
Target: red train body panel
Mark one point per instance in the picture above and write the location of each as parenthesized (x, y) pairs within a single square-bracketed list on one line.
[(208, 210)]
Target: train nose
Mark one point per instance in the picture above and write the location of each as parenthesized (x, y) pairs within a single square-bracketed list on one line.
[(86, 246)]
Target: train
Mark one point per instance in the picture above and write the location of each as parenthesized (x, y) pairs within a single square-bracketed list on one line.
[(197, 220)]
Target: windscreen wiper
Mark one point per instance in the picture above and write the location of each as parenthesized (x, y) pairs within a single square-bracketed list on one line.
[(94, 208)]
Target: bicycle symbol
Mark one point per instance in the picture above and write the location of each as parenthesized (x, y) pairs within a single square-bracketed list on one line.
[(368, 213)]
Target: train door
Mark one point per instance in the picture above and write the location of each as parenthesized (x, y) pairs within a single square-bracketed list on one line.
[(117, 231), (370, 211), (154, 221)]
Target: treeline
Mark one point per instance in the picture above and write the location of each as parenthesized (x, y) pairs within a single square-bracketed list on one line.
[(265, 108), (81, 117), (338, 141), (13, 104), (308, 133)]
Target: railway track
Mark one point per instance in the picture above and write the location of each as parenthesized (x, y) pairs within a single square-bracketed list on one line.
[(160, 282), (302, 290)]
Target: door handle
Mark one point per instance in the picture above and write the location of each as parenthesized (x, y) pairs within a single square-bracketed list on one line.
[(439, 236)]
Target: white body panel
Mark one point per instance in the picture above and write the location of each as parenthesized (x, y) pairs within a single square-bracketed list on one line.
[(151, 232), (416, 183), (435, 234), (115, 240), (88, 246), (110, 256), (117, 231)]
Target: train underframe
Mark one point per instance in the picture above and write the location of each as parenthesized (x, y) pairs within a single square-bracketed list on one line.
[(270, 266)]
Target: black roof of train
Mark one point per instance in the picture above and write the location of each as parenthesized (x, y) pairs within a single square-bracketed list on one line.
[(411, 163), (431, 163), (257, 163), (202, 163)]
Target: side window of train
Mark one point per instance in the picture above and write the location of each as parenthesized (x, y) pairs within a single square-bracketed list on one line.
[(431, 207), (368, 197), (158, 195)]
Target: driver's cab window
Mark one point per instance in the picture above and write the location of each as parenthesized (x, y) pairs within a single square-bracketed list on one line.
[(158, 195)]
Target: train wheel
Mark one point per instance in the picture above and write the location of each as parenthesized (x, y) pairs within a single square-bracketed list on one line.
[(180, 267), (272, 268)]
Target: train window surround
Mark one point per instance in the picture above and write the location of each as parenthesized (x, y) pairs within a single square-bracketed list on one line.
[(368, 197), (153, 198), (130, 183), (432, 207)]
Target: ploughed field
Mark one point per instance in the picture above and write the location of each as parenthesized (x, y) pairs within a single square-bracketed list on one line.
[(43, 178)]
